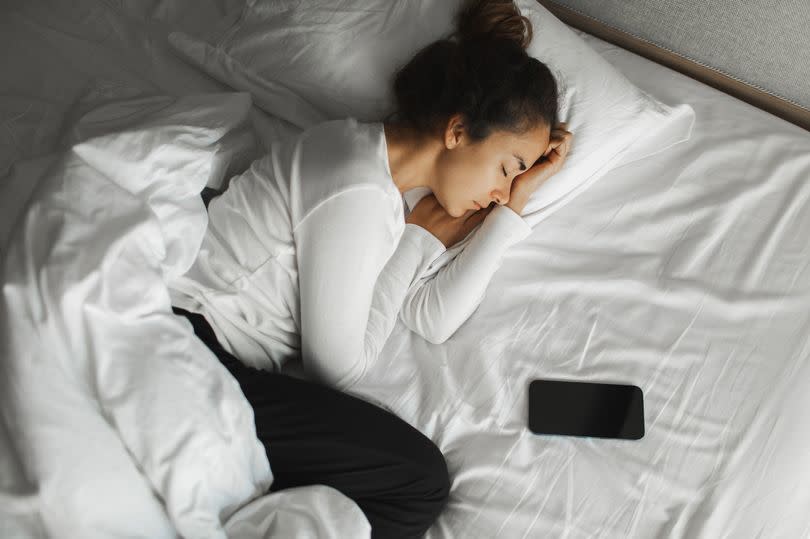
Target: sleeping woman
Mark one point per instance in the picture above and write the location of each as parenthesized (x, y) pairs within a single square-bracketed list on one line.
[(310, 254)]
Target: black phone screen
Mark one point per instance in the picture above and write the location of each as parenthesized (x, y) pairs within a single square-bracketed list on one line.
[(586, 409)]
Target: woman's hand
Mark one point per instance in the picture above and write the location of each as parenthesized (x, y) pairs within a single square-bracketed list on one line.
[(548, 165), (431, 216)]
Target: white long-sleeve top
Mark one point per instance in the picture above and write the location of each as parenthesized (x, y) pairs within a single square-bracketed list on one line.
[(311, 241)]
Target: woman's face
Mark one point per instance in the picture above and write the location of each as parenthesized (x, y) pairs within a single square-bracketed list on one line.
[(470, 173)]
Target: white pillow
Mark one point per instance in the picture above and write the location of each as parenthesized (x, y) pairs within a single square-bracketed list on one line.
[(307, 61)]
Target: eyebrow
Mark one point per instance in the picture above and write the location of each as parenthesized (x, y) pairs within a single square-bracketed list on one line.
[(520, 160)]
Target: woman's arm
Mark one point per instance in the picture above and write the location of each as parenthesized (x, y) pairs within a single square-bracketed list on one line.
[(437, 307), (351, 291)]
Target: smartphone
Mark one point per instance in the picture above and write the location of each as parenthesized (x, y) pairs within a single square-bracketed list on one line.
[(590, 409)]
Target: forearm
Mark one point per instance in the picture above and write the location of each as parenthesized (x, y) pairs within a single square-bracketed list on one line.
[(416, 250), (349, 323), (436, 307)]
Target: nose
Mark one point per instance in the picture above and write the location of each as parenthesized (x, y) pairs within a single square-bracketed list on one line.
[(501, 198)]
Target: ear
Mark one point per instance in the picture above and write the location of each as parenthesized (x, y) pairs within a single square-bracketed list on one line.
[(454, 132)]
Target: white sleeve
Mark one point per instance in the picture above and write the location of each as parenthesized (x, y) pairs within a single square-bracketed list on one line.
[(351, 292), (436, 308)]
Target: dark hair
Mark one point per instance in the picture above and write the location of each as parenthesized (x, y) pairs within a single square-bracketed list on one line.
[(481, 71)]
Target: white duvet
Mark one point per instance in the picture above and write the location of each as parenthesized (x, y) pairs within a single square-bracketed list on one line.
[(116, 419), (685, 273)]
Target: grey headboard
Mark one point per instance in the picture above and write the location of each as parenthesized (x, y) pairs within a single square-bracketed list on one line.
[(755, 50)]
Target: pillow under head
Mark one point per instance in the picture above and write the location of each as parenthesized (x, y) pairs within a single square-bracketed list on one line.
[(308, 61)]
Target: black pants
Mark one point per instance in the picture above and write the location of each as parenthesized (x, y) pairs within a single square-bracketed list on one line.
[(314, 434)]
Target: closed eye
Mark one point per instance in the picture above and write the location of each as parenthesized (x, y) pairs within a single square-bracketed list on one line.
[(504, 171)]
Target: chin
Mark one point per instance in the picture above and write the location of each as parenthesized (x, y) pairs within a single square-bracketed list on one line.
[(451, 209)]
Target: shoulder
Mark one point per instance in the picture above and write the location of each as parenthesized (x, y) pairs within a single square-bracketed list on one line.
[(339, 156), (342, 144)]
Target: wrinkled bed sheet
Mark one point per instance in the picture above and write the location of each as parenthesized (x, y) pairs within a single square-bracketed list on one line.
[(685, 273), (116, 420), (116, 412)]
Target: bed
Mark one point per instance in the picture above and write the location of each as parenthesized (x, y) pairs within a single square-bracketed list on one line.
[(686, 273)]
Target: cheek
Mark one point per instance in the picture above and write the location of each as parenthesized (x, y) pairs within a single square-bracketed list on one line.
[(462, 178), (451, 184)]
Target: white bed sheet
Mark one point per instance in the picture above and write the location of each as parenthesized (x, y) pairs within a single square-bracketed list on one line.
[(685, 273)]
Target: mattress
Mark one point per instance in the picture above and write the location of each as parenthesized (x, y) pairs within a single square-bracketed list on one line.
[(686, 273)]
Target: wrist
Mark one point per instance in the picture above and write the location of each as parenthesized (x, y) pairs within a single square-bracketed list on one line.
[(507, 225)]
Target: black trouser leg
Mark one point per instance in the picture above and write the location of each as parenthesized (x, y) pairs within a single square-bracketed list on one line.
[(314, 434)]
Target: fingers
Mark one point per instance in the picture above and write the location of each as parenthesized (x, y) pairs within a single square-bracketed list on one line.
[(476, 214), (474, 220), (561, 139), (559, 136)]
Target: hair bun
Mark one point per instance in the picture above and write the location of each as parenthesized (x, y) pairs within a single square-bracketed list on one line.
[(482, 72), (493, 19)]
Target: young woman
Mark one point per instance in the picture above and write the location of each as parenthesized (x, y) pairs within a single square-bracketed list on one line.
[(309, 254)]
